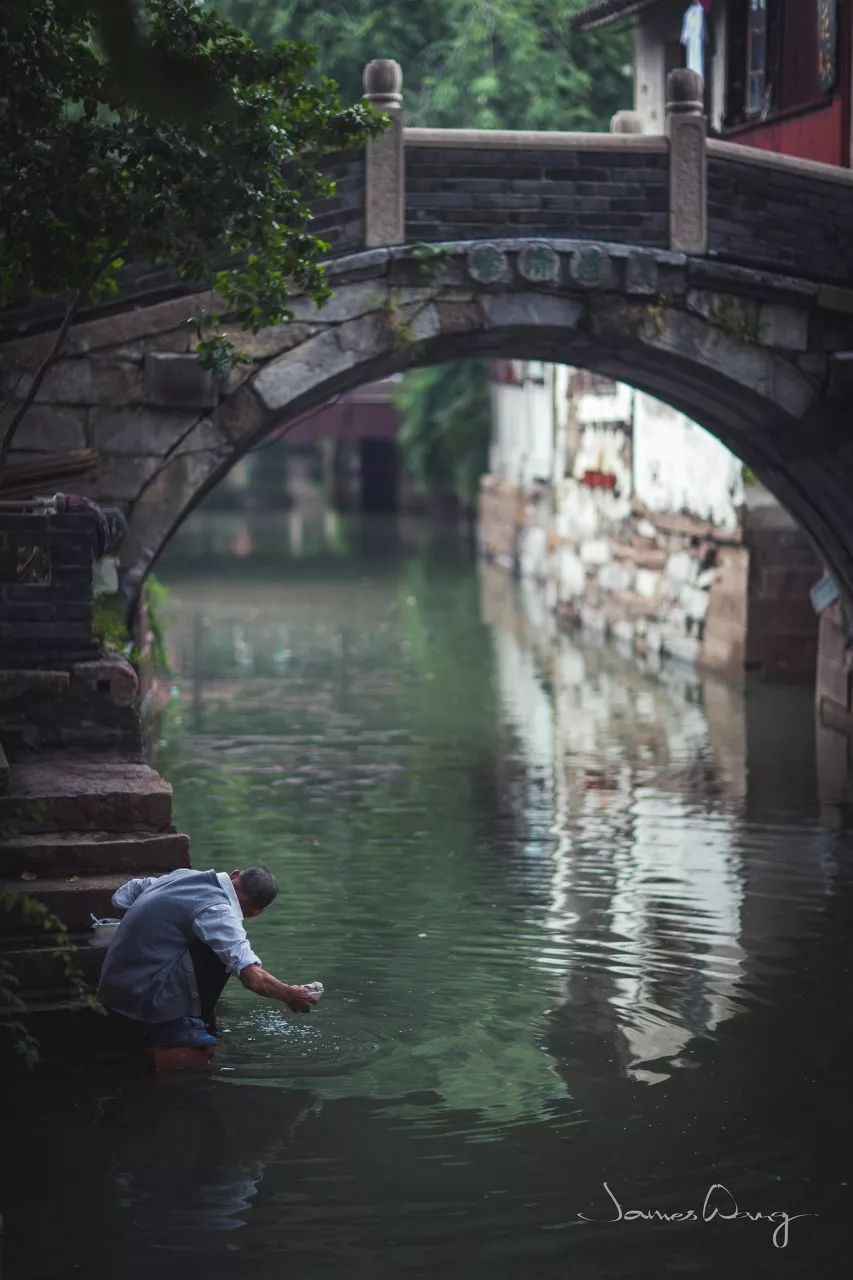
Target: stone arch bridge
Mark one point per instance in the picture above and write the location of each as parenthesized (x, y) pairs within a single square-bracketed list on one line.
[(717, 278)]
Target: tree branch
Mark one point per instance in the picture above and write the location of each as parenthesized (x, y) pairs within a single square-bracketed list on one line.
[(27, 402), (40, 374)]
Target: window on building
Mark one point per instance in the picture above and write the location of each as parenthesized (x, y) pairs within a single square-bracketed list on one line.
[(780, 56), (756, 57)]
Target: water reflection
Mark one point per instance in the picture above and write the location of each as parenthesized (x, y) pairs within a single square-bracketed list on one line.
[(661, 897), (189, 1159), (578, 922)]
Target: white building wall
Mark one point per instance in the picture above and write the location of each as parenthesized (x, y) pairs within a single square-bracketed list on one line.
[(679, 467), (657, 51), (523, 426)]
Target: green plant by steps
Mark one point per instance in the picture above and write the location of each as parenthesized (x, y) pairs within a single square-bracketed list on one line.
[(108, 624), (37, 919), (156, 595)]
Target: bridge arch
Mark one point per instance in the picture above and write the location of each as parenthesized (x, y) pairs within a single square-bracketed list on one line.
[(748, 355)]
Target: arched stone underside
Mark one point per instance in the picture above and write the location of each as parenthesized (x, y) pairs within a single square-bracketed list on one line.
[(760, 360)]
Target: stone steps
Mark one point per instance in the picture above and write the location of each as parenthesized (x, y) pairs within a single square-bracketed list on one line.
[(40, 969), (73, 900), (53, 793), (76, 852), (85, 706)]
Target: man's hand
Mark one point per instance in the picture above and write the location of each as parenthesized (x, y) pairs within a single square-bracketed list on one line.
[(298, 1000), (262, 983)]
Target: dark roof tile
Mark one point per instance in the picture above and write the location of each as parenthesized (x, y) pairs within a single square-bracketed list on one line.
[(603, 11)]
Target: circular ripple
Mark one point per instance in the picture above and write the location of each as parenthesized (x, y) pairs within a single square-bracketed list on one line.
[(266, 1045)]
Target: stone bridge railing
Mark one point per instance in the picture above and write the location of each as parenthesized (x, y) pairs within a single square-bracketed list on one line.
[(678, 190)]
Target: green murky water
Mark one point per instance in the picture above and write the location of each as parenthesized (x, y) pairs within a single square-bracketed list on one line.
[(578, 924)]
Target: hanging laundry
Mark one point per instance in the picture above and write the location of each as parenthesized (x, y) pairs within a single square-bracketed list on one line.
[(693, 37)]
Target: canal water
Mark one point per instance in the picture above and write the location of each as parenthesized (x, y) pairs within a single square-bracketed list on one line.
[(585, 931)]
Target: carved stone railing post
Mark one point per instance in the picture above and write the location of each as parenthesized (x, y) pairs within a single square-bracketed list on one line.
[(385, 159), (626, 122), (687, 129)]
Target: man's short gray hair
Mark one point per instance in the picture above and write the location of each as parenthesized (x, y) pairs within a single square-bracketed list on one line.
[(259, 887)]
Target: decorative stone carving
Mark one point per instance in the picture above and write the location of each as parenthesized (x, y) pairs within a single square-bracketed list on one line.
[(488, 264), (539, 263), (383, 83), (626, 122), (591, 267)]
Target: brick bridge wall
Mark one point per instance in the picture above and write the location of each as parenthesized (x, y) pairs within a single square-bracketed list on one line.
[(470, 192), (781, 215), (757, 210)]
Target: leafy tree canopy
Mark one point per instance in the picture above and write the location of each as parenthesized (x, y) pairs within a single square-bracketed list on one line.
[(90, 175), (446, 426), (511, 64)]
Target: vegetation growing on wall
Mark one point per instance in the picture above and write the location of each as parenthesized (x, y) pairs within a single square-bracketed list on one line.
[(15, 1035)]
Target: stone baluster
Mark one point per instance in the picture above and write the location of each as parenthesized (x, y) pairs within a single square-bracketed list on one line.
[(385, 158), (687, 130), (626, 122)]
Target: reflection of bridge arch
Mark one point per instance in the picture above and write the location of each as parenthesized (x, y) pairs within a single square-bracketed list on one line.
[(743, 354)]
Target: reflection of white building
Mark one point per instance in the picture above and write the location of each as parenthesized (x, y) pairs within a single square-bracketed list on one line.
[(639, 524), (644, 893)]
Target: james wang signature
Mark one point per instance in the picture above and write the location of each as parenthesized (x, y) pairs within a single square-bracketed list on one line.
[(718, 1203)]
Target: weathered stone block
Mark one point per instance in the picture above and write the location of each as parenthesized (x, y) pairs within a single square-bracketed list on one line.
[(177, 381), (595, 551), (89, 382), (525, 309), (112, 677), (647, 583), (53, 429), (172, 340), (139, 430), (177, 481), (205, 437), (132, 351), (784, 327), (614, 577), (241, 415), (291, 375), (121, 476), (641, 273)]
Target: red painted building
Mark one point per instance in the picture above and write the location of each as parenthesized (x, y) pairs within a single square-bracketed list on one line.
[(778, 73)]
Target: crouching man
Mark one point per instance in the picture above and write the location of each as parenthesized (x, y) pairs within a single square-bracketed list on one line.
[(182, 936)]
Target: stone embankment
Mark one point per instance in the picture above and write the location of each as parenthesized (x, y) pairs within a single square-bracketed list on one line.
[(80, 810), (77, 820)]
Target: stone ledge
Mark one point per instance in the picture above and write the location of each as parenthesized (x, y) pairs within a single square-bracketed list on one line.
[(534, 140), (754, 157), (69, 852)]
